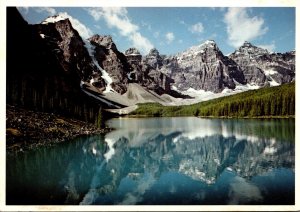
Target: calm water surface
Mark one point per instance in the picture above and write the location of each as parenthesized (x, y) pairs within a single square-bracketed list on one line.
[(162, 161)]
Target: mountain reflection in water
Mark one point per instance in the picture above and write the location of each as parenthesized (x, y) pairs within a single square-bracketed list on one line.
[(163, 161)]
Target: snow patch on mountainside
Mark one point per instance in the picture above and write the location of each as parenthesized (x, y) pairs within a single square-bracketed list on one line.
[(202, 95), (270, 72), (101, 99), (196, 50), (199, 94), (129, 75), (273, 82), (105, 75), (55, 18)]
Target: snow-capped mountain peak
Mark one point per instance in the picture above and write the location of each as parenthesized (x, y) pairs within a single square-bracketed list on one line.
[(200, 49), (55, 18), (210, 42), (205, 45), (263, 68), (248, 48), (247, 44)]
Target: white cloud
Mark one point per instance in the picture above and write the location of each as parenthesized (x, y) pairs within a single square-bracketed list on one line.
[(241, 27), (170, 37), (117, 17), (95, 13), (270, 47), (49, 10), (141, 42), (197, 28)]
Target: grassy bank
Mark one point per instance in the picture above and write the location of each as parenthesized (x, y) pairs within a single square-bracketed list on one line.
[(273, 102)]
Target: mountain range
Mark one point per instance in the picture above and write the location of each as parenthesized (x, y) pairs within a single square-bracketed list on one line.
[(50, 67)]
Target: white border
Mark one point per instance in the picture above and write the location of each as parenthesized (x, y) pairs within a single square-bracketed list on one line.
[(137, 3)]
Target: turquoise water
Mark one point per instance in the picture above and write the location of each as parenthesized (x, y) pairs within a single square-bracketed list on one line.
[(161, 161)]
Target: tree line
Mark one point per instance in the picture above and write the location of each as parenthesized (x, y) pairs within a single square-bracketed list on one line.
[(264, 102)]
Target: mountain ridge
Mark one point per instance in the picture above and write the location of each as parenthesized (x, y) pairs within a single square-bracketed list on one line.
[(226, 75), (103, 69)]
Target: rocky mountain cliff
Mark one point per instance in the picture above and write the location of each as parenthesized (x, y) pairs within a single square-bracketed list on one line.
[(262, 68), (118, 69), (144, 70), (111, 60), (45, 65), (203, 67), (96, 65), (69, 48)]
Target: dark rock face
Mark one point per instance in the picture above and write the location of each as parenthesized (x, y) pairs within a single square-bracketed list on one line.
[(203, 67), (153, 59), (112, 61), (133, 55), (145, 71), (134, 58), (263, 68), (69, 48), (38, 75)]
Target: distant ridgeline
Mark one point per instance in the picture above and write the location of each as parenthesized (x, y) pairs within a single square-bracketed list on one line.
[(39, 80), (275, 101)]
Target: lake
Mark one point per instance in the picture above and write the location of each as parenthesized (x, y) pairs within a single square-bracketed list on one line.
[(162, 161)]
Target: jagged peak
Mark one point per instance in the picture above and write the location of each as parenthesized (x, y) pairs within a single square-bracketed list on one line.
[(210, 42), (55, 18), (98, 37), (194, 50), (249, 48), (132, 51), (103, 40), (247, 44), (206, 44), (153, 52)]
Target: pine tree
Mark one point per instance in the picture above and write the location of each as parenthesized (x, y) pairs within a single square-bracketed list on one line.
[(100, 119)]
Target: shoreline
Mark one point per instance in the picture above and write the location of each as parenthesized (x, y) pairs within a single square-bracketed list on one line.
[(214, 117), (27, 129)]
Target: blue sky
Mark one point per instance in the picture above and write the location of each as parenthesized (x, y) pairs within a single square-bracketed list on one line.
[(174, 29)]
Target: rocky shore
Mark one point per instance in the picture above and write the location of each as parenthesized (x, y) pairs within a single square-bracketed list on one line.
[(27, 129)]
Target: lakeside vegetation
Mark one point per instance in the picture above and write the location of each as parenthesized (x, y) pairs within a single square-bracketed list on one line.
[(276, 101)]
